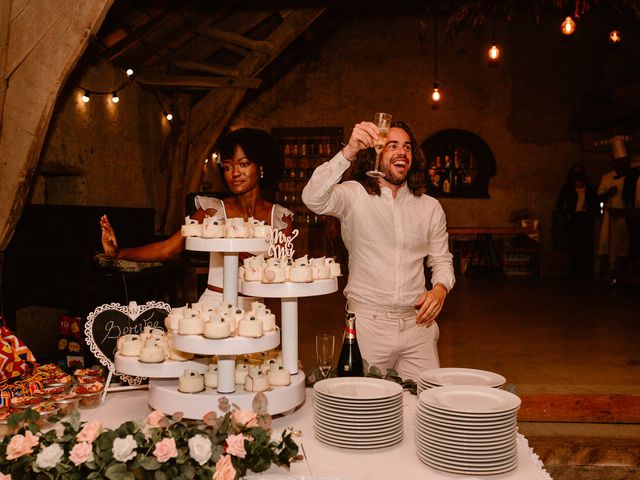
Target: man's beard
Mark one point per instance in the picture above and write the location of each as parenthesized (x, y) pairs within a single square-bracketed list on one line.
[(395, 179)]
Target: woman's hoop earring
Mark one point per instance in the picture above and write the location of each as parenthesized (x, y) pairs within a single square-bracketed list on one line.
[(261, 172)]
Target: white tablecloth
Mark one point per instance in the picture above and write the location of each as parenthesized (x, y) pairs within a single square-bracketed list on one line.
[(324, 462)]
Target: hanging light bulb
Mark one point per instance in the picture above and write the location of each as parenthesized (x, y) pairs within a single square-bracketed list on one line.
[(168, 115), (114, 97), (494, 52), (435, 96), (568, 26), (129, 72), (614, 36), (85, 97)]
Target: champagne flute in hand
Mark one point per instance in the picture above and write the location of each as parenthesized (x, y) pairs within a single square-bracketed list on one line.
[(383, 122), (325, 345)]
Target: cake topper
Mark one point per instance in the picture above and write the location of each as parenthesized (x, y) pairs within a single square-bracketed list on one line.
[(281, 245)]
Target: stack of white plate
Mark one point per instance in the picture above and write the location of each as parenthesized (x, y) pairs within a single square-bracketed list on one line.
[(467, 429), (357, 412), (440, 377)]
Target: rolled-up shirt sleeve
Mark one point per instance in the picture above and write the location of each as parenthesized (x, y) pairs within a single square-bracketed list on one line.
[(322, 193), (439, 259)]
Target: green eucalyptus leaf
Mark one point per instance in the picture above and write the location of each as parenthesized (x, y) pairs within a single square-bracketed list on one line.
[(223, 404), (149, 463), (260, 404), (116, 471)]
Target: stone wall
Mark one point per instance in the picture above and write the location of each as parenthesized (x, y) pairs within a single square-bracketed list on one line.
[(101, 153), (521, 108)]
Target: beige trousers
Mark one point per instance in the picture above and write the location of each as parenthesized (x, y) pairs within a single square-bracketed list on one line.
[(392, 339)]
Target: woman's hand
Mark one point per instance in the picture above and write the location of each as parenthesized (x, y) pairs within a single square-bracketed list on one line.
[(430, 305), (109, 240), (362, 136)]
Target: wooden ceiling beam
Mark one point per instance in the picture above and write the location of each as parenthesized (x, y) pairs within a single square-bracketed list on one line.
[(195, 82), (224, 36), (205, 67)]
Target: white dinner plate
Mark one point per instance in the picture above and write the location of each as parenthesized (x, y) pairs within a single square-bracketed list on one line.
[(358, 446), (359, 437), (359, 414), (465, 433), (465, 449), (461, 376), (499, 456), (349, 405), (470, 399), (356, 424), (497, 442), (468, 471), (463, 423), (466, 418), (357, 388)]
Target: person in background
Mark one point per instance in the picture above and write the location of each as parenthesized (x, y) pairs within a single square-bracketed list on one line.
[(250, 161), (389, 226), (578, 202), (631, 199), (610, 193)]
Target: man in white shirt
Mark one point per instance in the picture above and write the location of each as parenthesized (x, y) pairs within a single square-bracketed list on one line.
[(389, 225)]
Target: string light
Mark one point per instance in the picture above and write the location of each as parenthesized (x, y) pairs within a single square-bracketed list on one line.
[(114, 97), (168, 115), (568, 26), (85, 97), (435, 95), (614, 36), (494, 52), (129, 72)]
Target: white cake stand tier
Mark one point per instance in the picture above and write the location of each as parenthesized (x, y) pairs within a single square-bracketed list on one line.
[(225, 346), (289, 292), (166, 369), (164, 396)]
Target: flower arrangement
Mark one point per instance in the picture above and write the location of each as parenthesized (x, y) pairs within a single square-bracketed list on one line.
[(216, 448)]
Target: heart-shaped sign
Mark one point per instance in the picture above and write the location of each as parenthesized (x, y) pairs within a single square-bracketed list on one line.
[(108, 322)]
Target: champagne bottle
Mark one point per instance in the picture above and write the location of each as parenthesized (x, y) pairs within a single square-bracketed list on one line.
[(350, 361)]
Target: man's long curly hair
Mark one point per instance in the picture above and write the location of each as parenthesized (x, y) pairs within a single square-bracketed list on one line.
[(416, 178)]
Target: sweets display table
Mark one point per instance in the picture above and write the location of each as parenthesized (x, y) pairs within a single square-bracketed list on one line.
[(330, 463)]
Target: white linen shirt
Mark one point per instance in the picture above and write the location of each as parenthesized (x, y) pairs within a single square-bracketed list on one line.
[(387, 238)]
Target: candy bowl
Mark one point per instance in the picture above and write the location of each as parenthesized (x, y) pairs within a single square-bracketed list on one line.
[(24, 402), (67, 403), (89, 394)]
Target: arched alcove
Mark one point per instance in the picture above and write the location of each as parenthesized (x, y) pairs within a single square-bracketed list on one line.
[(459, 164)]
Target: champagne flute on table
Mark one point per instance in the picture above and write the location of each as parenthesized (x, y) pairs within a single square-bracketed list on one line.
[(325, 347), (383, 122)]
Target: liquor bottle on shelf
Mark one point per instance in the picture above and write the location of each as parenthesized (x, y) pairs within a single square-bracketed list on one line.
[(350, 360)]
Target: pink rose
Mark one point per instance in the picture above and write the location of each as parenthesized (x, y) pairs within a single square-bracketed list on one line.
[(165, 450), (81, 453), (90, 431), (235, 445), (154, 419), (4, 476), (245, 417), (224, 469), (21, 445)]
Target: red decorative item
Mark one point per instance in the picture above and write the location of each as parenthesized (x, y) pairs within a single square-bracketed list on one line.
[(15, 356)]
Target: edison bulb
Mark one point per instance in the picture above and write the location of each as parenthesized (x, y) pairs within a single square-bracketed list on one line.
[(614, 36), (494, 51), (568, 26), (435, 96), (85, 97), (169, 116), (114, 97), (129, 72)]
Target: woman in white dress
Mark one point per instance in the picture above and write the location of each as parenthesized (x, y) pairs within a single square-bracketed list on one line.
[(251, 161)]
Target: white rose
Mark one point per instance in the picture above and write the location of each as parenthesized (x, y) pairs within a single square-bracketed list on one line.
[(200, 449), (49, 456), (124, 449)]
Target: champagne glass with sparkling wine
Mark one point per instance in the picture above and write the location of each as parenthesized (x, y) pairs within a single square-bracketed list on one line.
[(325, 345), (383, 122)]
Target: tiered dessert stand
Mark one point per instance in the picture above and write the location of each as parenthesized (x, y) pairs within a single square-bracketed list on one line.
[(163, 382)]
